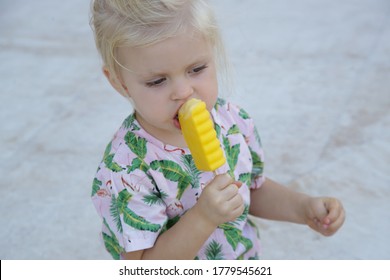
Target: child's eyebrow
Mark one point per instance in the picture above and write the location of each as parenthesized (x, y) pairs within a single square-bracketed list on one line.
[(198, 60)]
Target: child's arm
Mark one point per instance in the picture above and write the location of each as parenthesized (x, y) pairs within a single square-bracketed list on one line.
[(182, 241), (219, 202), (276, 202)]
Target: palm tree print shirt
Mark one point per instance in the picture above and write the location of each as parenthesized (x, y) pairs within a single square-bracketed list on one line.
[(143, 186)]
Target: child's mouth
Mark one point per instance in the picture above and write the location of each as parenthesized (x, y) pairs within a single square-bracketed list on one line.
[(176, 122)]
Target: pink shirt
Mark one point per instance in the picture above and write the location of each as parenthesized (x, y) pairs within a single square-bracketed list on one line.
[(143, 186)]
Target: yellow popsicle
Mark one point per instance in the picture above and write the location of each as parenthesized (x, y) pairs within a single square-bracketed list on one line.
[(200, 136)]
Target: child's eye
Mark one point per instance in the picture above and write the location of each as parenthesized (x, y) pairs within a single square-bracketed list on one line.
[(199, 69), (156, 82)]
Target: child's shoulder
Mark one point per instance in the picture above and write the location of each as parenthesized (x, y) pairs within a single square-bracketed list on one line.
[(126, 142), (130, 123), (232, 114)]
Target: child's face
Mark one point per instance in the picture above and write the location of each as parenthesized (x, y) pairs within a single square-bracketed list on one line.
[(165, 75)]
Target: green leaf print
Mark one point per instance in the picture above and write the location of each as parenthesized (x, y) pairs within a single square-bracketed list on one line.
[(257, 136), (138, 222), (214, 251), (182, 185), (111, 243), (234, 236), (111, 246), (248, 244), (137, 163), (217, 130), (96, 186), (192, 171), (107, 150), (245, 178), (231, 155), (244, 214), (173, 172), (110, 164), (170, 223), (243, 114), (136, 144), (114, 212), (108, 160), (233, 130), (258, 165), (129, 123), (131, 218), (123, 199), (252, 224), (155, 198), (220, 102)]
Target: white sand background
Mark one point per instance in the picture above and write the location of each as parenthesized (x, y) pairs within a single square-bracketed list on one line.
[(314, 74)]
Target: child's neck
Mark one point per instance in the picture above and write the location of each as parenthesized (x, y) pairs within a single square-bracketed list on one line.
[(169, 138)]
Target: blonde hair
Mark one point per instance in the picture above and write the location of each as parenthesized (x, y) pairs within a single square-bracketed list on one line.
[(137, 23)]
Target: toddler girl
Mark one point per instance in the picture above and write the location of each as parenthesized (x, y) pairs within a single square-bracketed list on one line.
[(153, 201)]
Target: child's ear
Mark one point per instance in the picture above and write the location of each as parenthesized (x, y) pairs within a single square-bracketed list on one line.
[(115, 82)]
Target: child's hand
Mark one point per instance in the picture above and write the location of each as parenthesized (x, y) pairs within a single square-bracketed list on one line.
[(325, 215), (220, 201)]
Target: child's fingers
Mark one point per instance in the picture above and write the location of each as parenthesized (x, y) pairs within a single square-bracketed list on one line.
[(229, 192), (334, 208), (334, 219), (337, 222), (319, 210), (221, 181)]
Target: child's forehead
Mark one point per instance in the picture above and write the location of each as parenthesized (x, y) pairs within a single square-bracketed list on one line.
[(181, 50)]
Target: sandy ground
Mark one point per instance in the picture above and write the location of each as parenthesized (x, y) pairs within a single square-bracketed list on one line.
[(314, 74)]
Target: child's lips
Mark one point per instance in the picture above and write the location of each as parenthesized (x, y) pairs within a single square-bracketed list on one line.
[(176, 122)]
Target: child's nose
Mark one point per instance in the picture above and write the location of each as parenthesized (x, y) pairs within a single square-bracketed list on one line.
[(183, 89)]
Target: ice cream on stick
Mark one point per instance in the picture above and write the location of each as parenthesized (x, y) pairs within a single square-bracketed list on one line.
[(200, 136)]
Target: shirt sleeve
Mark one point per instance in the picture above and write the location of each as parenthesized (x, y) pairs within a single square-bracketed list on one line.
[(252, 138), (128, 203), (257, 153)]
